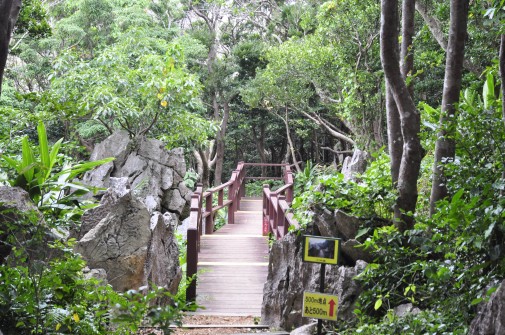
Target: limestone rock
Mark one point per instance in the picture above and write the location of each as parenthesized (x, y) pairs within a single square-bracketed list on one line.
[(134, 248), (162, 267), (14, 201), (154, 173), (490, 319), (355, 164), (406, 309), (16, 207), (289, 276), (99, 274), (354, 251), (347, 225), (343, 226), (112, 147), (305, 330)]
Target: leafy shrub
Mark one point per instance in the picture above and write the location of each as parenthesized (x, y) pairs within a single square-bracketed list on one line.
[(45, 292), (255, 188), (371, 197), (454, 260)]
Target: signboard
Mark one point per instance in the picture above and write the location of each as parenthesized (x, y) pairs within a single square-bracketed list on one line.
[(317, 249), (320, 306)]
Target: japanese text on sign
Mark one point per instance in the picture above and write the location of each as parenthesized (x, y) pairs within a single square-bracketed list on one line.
[(320, 306)]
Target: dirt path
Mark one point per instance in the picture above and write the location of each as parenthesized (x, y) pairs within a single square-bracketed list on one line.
[(215, 320)]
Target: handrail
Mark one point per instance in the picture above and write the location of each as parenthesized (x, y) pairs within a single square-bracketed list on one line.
[(201, 220), (276, 216)]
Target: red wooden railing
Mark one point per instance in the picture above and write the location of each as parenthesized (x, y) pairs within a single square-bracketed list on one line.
[(276, 217)]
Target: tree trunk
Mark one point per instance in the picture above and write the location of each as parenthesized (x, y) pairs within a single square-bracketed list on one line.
[(502, 75), (409, 118), (395, 138), (9, 12), (260, 146), (202, 167), (291, 147), (407, 52), (445, 147), (436, 30), (220, 145)]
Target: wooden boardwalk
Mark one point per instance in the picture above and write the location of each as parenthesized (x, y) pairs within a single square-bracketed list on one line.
[(233, 265)]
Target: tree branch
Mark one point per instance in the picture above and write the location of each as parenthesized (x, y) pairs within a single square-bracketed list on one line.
[(331, 131)]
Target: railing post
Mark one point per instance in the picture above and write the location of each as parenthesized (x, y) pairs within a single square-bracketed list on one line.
[(237, 189), (209, 219), (274, 204), (266, 220), (233, 197), (281, 215), (289, 191), (192, 263)]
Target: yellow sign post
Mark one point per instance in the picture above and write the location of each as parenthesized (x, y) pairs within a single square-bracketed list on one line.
[(320, 306)]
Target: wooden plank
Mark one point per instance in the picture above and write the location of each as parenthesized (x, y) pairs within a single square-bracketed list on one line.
[(233, 265)]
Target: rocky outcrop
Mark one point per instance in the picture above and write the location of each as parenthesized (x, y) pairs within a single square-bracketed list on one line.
[(154, 173), (14, 203), (289, 276), (355, 165), (490, 319), (341, 225), (22, 225), (305, 330), (134, 247)]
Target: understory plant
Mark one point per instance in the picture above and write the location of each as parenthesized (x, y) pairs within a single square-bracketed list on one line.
[(49, 180), (43, 286), (454, 260), (370, 196)]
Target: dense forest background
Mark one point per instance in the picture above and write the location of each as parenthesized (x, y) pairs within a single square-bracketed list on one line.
[(270, 81)]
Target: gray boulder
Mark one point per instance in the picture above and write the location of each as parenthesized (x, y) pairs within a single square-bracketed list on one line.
[(162, 267), (305, 330), (154, 173), (99, 274), (490, 319), (406, 309), (289, 277), (17, 211), (121, 237), (355, 164), (341, 225), (14, 204)]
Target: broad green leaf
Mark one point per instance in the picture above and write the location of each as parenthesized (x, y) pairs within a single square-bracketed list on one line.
[(27, 166), (362, 232), (83, 167), (43, 147), (52, 156), (457, 196), (488, 91), (378, 304), (13, 163)]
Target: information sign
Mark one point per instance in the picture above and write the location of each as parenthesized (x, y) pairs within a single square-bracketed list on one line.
[(317, 249), (320, 306)]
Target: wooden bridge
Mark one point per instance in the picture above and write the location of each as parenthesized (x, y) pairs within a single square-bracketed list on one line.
[(229, 267)]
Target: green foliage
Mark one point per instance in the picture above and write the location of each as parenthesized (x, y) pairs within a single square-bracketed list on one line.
[(139, 84), (452, 261), (255, 188), (50, 186), (371, 197), (32, 19), (55, 298), (190, 179)]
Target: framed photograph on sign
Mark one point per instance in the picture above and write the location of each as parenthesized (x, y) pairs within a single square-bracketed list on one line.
[(317, 249)]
